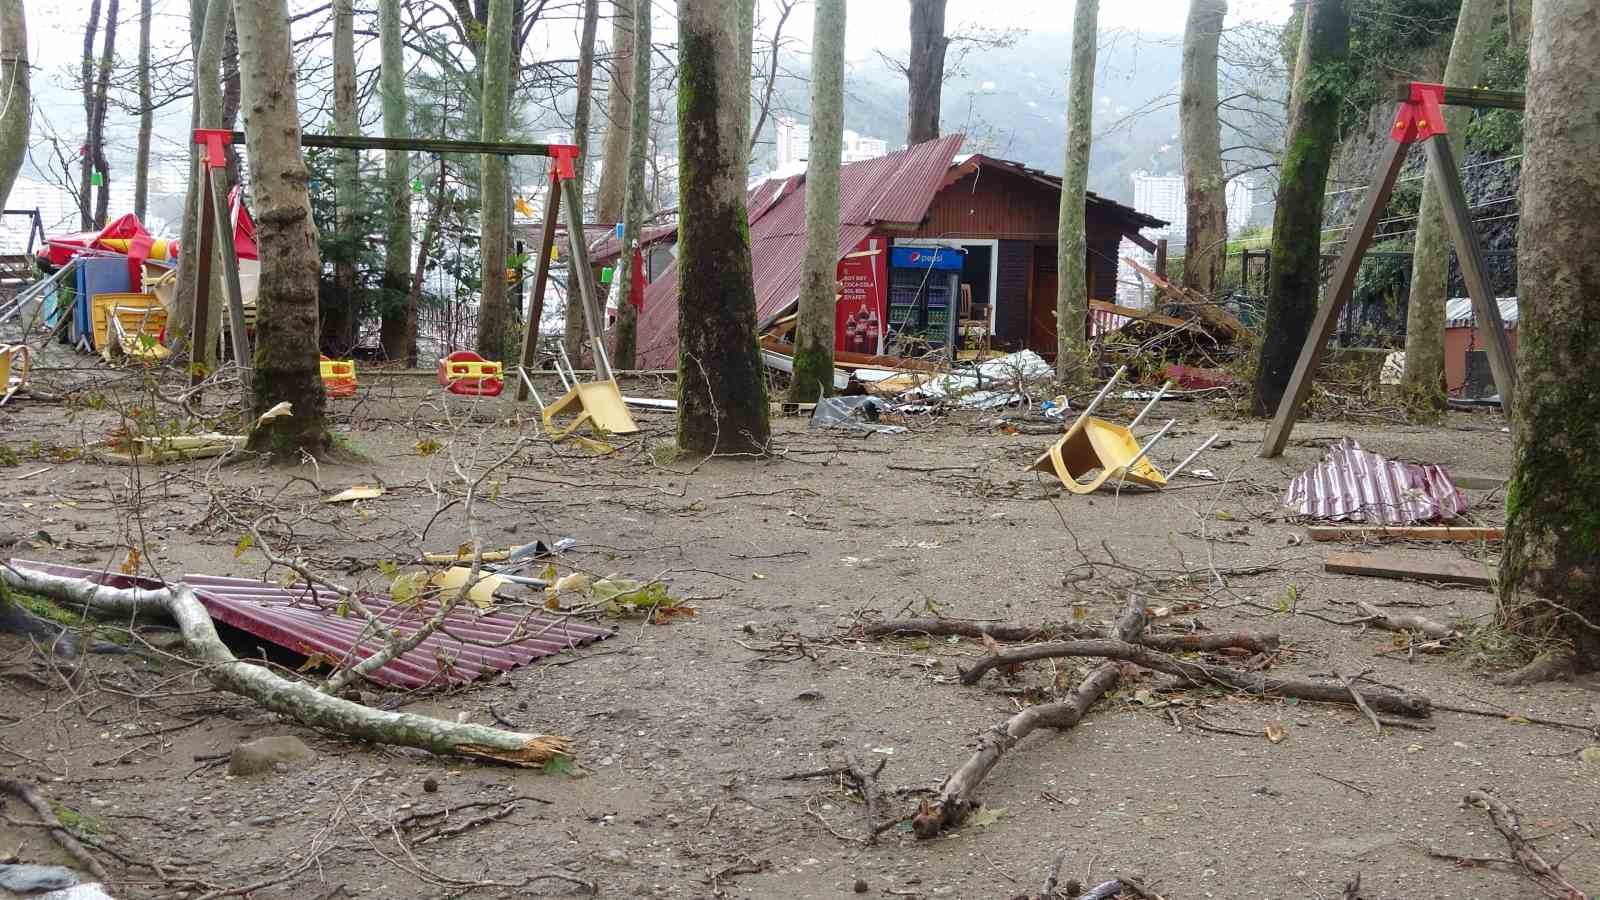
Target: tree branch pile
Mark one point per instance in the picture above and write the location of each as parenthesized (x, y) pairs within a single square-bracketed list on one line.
[(296, 700)]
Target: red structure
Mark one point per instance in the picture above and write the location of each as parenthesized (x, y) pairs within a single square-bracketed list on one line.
[(465, 372)]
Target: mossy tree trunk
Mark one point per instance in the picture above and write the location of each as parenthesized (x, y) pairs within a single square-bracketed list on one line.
[(722, 392), (147, 117), (339, 317), (814, 337), (207, 31), (634, 206), (398, 331), (286, 358), (1206, 243), (495, 182), (1423, 384), (1072, 243), (1550, 573), (97, 125), (925, 70), (747, 60), (610, 193), (1295, 280), (86, 81), (17, 117)]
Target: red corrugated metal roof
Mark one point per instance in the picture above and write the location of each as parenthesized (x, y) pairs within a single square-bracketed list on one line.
[(893, 188), (468, 647), (1359, 485)]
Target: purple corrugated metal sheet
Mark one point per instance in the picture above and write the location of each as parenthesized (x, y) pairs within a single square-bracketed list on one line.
[(298, 619), (1361, 486), (894, 188)]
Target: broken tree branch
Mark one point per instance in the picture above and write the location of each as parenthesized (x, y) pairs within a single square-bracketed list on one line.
[(1377, 618), (956, 797), (294, 699), (30, 795), (1361, 703), (1506, 821), (1202, 674), (1253, 641)]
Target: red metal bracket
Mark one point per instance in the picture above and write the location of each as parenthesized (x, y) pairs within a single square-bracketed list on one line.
[(566, 159), (1421, 115), (214, 139)]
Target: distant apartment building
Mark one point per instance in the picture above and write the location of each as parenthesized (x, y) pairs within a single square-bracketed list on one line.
[(794, 145), (1162, 196)]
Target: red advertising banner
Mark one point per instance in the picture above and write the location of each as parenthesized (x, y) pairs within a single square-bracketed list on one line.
[(863, 297)]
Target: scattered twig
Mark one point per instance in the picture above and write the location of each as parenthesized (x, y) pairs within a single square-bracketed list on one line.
[(30, 795), (1543, 873), (1361, 702), (1405, 622)]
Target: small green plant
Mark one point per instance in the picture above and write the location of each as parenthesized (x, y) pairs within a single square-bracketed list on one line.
[(665, 453), (8, 457)]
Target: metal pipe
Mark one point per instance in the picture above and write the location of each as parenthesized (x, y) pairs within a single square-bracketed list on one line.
[(1100, 397), (1145, 450), (1191, 457), (561, 373), (1149, 406)]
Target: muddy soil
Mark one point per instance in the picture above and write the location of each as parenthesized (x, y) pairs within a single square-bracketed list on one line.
[(683, 732)]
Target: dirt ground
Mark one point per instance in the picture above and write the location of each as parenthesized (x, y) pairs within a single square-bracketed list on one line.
[(683, 732)]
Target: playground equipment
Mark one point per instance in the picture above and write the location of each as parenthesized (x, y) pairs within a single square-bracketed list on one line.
[(338, 377), (470, 375), (14, 362), (1100, 451), (598, 404)]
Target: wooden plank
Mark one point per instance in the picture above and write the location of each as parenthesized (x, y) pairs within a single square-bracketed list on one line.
[(593, 316), (1206, 309), (1357, 239), (845, 360), (425, 145), (541, 278), (1479, 98), (1390, 565), (1479, 482), (206, 229), (237, 329), (1143, 315), (1405, 533), (1469, 251)]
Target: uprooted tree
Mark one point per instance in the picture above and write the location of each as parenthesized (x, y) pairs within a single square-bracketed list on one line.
[(1550, 573)]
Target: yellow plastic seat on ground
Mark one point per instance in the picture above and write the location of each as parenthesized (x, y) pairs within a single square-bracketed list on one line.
[(597, 403), (1100, 451), (14, 362), (136, 331)]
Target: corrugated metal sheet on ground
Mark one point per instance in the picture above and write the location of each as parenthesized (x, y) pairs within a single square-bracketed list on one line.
[(1458, 312), (298, 619), (896, 187), (1360, 486)]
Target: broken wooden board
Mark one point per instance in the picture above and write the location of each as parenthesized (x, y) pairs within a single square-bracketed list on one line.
[(1208, 310), (1143, 315), (1390, 565), (1479, 482), (1404, 533)]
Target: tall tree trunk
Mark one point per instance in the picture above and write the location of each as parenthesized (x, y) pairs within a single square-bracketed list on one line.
[(230, 96), (17, 118), (398, 331), (634, 204), (1423, 384), (612, 189), (1295, 279), (97, 133), (91, 30), (572, 335), (722, 389), (207, 25), (819, 298), (286, 367), (496, 182), (747, 59), (340, 322), (1072, 243), (1550, 573), (147, 117), (925, 70), (1206, 245)]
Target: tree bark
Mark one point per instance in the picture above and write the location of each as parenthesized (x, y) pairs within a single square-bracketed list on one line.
[(17, 118), (634, 204), (1295, 281), (722, 389), (97, 131), (495, 182), (572, 325), (1206, 243), (294, 699), (1423, 384), (230, 96), (925, 70), (207, 26), (747, 58), (610, 194), (398, 332), (1072, 244), (339, 317), (286, 355), (1550, 572), (91, 30), (147, 116), (814, 333)]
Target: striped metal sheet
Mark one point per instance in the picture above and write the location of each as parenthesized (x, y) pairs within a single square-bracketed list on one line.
[(304, 621), (1358, 485), (1458, 312), (894, 188)]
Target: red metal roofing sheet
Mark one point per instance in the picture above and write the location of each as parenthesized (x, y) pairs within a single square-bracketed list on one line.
[(1361, 486), (468, 647), (893, 188)]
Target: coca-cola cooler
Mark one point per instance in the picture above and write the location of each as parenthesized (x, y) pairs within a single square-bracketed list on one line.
[(861, 311)]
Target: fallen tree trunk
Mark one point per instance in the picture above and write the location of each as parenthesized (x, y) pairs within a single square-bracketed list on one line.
[(956, 797), (1254, 641), (1202, 675), (294, 699), (1377, 618)]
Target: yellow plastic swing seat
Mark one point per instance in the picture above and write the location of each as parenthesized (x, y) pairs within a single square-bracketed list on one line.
[(1098, 451), (598, 403)]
